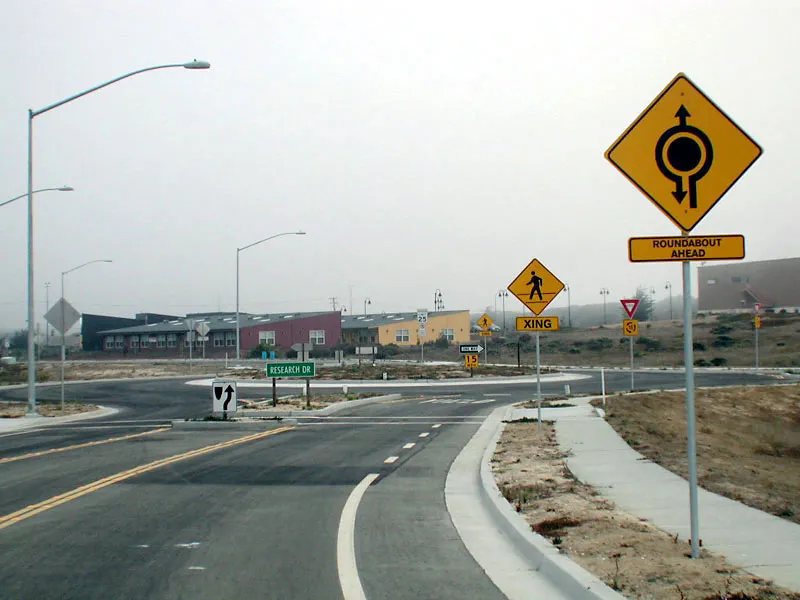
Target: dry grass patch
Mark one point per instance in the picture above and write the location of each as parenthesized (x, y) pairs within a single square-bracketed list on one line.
[(627, 553), (46, 409)]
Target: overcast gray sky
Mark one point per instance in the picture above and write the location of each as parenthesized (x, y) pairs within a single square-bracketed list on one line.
[(421, 144)]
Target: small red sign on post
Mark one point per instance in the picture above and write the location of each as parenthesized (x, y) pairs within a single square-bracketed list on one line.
[(630, 305)]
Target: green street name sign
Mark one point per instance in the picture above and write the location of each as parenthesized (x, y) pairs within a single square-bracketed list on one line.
[(291, 369)]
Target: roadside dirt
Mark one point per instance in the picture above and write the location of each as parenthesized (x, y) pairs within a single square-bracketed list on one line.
[(748, 440), (293, 403), (16, 410), (630, 555)]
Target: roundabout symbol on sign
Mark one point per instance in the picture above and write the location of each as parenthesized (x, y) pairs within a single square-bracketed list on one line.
[(684, 154)]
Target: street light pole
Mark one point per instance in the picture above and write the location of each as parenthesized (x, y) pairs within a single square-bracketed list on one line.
[(196, 64), (366, 301), (46, 308), (238, 250), (569, 307), (668, 286), (503, 294), (63, 319), (604, 292)]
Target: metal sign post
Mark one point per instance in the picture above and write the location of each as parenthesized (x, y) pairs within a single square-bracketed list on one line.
[(756, 326), (538, 382), (688, 362)]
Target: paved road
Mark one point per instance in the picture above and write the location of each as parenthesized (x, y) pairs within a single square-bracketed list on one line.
[(230, 516)]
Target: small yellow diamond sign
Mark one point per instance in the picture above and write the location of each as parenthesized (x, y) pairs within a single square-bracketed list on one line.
[(485, 322), (536, 287), (683, 153)]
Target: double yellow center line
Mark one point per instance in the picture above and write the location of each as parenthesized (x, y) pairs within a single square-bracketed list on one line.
[(40, 507)]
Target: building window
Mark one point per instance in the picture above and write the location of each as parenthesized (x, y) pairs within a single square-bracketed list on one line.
[(219, 340), (230, 338), (134, 341), (161, 341), (119, 342), (172, 340), (401, 335), (267, 338), (449, 334), (109, 343), (317, 336)]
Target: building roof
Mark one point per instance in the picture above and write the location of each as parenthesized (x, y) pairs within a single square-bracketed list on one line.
[(216, 322), (372, 321)]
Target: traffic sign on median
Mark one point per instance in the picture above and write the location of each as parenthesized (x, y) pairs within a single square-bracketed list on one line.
[(536, 286), (62, 316), (537, 324), (485, 322), (289, 370), (223, 396), (630, 306), (471, 361), (683, 153), (681, 248), (630, 327), (470, 348)]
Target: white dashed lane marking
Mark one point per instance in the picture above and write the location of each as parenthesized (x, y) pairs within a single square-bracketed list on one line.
[(391, 459), (426, 434), (409, 445), (436, 426)]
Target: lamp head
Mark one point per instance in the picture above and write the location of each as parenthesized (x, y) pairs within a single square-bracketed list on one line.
[(197, 64)]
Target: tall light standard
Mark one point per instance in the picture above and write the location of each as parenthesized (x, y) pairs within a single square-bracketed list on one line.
[(196, 64), (63, 188), (366, 301), (652, 316), (238, 250), (569, 306), (46, 308), (63, 318), (604, 293), (503, 294), (668, 286)]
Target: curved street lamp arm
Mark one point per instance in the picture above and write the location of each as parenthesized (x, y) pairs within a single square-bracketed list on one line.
[(266, 239), (34, 113), (63, 188), (91, 262)]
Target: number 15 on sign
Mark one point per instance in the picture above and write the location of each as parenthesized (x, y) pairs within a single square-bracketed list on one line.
[(471, 361)]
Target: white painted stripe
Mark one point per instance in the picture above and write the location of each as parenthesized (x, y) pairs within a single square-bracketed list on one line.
[(497, 394), (436, 426), (409, 445), (391, 459), (429, 401), (426, 434), (341, 424), (346, 543), (487, 401)]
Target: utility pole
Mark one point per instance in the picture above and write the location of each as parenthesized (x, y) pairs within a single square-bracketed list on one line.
[(438, 301), (351, 299), (46, 308), (569, 307), (334, 302)]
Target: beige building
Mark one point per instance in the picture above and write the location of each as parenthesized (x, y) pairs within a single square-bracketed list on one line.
[(402, 328)]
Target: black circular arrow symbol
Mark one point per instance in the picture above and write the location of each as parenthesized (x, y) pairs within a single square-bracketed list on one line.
[(684, 154)]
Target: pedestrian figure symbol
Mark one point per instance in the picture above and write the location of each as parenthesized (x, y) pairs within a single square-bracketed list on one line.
[(484, 323), (536, 282)]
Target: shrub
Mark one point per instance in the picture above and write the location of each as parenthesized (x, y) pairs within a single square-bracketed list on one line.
[(650, 344), (599, 344), (721, 329), (574, 351), (719, 361), (699, 346), (701, 362), (441, 343), (723, 341)]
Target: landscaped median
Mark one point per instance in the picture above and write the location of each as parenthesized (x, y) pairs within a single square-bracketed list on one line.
[(629, 553), (14, 410)]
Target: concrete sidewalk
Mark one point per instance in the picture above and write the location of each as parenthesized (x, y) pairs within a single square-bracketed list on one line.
[(764, 545)]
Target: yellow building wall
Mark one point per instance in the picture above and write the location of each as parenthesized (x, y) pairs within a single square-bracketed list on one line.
[(459, 322)]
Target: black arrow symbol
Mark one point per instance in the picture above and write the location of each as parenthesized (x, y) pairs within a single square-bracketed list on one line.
[(682, 115), (218, 392), (229, 391), (679, 192)]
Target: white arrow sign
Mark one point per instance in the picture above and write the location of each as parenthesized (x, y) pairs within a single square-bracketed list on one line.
[(470, 348), (223, 396)]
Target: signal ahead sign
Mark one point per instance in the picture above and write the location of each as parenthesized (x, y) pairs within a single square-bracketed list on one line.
[(291, 369)]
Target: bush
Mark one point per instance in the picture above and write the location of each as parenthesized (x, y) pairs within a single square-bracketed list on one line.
[(719, 361), (441, 343), (702, 362), (574, 351), (390, 349), (723, 341), (526, 338), (699, 346), (721, 329), (600, 344), (256, 352), (650, 344)]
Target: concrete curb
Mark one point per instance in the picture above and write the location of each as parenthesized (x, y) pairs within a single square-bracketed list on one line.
[(44, 384), (22, 423), (321, 412), (539, 557)]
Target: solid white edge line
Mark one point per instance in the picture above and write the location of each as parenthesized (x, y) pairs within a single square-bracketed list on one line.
[(426, 434), (391, 459), (409, 445), (346, 542)]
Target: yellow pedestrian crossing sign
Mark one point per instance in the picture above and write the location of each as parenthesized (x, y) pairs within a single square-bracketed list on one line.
[(536, 286), (485, 322), (683, 152)]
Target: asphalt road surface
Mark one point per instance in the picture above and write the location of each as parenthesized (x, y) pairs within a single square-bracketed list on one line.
[(141, 510)]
